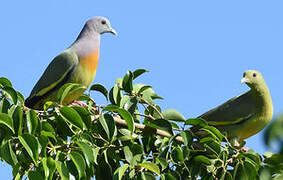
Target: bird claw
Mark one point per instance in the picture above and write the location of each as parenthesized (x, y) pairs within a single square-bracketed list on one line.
[(245, 149), (78, 103)]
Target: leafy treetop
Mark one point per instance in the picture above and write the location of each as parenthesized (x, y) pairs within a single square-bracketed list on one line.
[(131, 138)]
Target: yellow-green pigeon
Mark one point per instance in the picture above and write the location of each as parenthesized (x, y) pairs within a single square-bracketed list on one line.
[(77, 64), (246, 114)]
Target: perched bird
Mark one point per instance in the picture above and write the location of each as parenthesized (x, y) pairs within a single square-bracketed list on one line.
[(244, 115), (77, 64)]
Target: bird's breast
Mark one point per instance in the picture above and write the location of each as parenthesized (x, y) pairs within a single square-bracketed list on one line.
[(90, 62), (86, 69)]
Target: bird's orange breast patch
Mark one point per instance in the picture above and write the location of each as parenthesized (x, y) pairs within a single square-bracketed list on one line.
[(90, 62)]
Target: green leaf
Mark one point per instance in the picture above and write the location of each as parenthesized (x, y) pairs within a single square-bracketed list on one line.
[(47, 127), (17, 176), (161, 124), (111, 96), (34, 175), (5, 82), (48, 134), (251, 169), (63, 170), (18, 119), (32, 121), (111, 108), (140, 88), (214, 132), (85, 97), (147, 176), (207, 140), (150, 93), (138, 72), (95, 154), (87, 151), (127, 135), (62, 127), (43, 141), (202, 159), (49, 167), (119, 82), (196, 122), (127, 83), (79, 162), (228, 176), (124, 100), (116, 94), (118, 174), (253, 156), (128, 154), (47, 130), (21, 98), (150, 166), (8, 154), (49, 104), (169, 176), (240, 172), (177, 155), (187, 137), (100, 88), (125, 115), (31, 145), (12, 93), (4, 105), (7, 121), (67, 90), (128, 118), (103, 171), (84, 114), (174, 115), (108, 125), (273, 132), (162, 161), (72, 116), (136, 149), (131, 104), (214, 145)]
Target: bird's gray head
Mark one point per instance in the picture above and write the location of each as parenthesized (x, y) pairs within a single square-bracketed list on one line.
[(253, 78), (100, 25)]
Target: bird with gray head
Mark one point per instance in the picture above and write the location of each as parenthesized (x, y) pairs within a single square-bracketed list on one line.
[(77, 64)]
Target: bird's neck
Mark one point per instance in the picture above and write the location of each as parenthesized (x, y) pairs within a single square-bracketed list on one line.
[(87, 42), (263, 99)]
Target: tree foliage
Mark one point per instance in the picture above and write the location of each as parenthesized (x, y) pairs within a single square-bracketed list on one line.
[(130, 138)]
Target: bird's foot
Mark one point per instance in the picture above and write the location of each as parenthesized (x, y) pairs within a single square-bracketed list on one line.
[(245, 149), (78, 103), (235, 143)]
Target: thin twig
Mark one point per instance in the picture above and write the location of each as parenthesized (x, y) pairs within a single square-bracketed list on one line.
[(175, 129), (159, 113), (144, 107), (31, 167), (144, 115)]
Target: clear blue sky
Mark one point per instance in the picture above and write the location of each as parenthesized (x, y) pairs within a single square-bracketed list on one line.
[(196, 51)]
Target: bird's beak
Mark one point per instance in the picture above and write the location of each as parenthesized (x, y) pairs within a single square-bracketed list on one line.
[(113, 31), (244, 80)]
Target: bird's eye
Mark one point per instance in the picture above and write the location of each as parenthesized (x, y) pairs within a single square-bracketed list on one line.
[(103, 22), (254, 74)]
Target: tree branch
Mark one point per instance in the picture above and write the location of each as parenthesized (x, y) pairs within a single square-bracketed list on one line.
[(141, 127)]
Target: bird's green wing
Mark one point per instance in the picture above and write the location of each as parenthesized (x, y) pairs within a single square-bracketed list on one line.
[(236, 110), (56, 74)]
